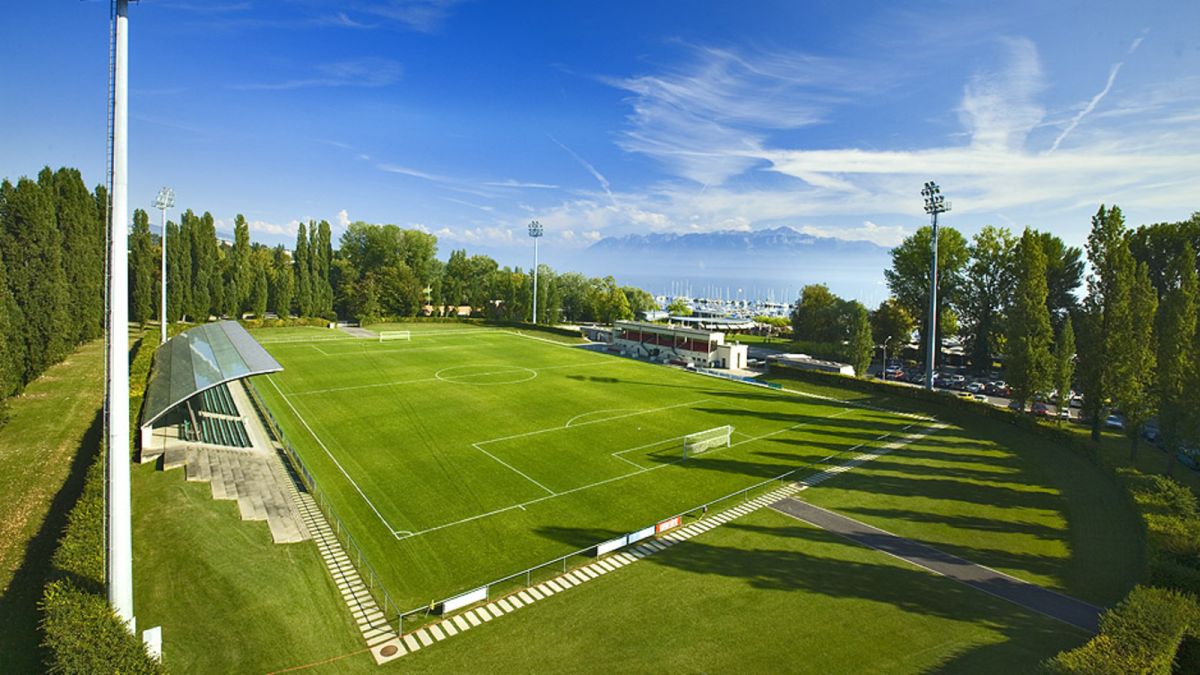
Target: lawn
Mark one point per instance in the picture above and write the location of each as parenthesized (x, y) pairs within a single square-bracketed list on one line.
[(457, 456), (45, 450), (764, 593)]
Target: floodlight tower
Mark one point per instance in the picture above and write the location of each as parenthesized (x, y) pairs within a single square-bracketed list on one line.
[(535, 231), (120, 526), (164, 201), (935, 203)]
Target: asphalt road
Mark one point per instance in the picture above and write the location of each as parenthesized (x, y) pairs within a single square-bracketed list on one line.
[(1030, 596)]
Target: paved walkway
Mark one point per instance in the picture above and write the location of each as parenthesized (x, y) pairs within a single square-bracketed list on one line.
[(1030, 596), (358, 332)]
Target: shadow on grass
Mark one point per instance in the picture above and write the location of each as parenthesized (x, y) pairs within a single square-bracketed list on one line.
[(959, 522), (20, 637), (789, 558)]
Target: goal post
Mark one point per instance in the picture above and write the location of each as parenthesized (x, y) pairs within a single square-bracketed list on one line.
[(394, 335), (703, 440)]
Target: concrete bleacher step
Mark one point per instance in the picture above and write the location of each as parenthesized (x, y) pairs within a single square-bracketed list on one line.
[(174, 457)]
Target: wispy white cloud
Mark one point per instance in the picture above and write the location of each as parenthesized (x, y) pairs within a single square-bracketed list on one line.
[(342, 220), (1112, 76), (481, 207), (365, 72), (604, 184), (1000, 108), (517, 184), (288, 229), (1137, 42), (392, 168)]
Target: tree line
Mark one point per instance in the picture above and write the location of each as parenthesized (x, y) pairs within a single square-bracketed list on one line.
[(377, 272), (52, 256), (1130, 343)]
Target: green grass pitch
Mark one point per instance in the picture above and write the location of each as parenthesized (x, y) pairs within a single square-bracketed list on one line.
[(464, 455)]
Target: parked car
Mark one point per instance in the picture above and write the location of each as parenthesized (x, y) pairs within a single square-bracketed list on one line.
[(1114, 422), (1040, 409), (1076, 401), (975, 387), (1064, 414), (980, 397), (1016, 405)]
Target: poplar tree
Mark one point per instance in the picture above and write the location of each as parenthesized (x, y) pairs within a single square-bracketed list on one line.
[(33, 260), (83, 254), (303, 273), (1029, 367), (179, 272), (259, 290), (141, 268), (1176, 358), (323, 257), (1108, 327), (1064, 371), (1136, 393), (211, 257), (241, 273), (284, 285), (861, 344), (9, 364)]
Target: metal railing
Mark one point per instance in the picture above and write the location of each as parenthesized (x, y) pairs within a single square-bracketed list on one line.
[(390, 609)]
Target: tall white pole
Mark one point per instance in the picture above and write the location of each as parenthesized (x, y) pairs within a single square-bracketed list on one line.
[(120, 539), (535, 284), (162, 305)]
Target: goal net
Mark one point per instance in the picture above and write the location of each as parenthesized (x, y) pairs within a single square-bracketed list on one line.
[(703, 440), (394, 335)]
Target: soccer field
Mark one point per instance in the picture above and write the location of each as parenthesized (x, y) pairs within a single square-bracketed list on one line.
[(465, 454)]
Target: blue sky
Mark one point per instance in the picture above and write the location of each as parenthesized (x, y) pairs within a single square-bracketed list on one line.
[(469, 119)]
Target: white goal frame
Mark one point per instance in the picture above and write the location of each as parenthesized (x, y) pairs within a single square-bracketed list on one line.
[(395, 335), (710, 438)]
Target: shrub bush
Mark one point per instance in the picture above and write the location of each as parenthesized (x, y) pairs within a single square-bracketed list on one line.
[(1142, 634), (81, 633)]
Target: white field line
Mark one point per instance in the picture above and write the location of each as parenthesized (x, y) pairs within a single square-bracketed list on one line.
[(641, 470), (302, 341), (330, 454), (430, 379), (606, 419), (596, 412), (513, 469), (318, 349)]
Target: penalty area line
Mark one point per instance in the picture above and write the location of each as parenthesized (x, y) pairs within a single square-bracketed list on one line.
[(330, 454)]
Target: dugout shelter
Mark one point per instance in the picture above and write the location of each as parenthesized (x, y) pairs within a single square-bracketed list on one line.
[(194, 393), (677, 344)]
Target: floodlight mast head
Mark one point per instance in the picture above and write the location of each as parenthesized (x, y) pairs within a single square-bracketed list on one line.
[(535, 229), (165, 199), (935, 203)]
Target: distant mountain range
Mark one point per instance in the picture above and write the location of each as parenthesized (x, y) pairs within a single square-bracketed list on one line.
[(780, 258)]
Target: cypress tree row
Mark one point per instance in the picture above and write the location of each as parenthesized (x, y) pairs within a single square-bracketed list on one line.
[(303, 278), (141, 269)]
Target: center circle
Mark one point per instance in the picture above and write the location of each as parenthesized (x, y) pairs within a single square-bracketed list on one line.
[(485, 374)]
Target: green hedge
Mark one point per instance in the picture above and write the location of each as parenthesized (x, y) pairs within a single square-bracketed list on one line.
[(286, 323), (1142, 634), (81, 634), (553, 330)]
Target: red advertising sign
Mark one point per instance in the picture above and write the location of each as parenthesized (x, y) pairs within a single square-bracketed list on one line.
[(667, 524)]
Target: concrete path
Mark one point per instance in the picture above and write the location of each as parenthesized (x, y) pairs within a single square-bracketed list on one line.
[(1030, 596), (358, 332)]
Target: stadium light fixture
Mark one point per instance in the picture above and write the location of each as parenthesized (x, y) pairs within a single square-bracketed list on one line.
[(935, 203), (885, 363), (535, 231), (164, 201)]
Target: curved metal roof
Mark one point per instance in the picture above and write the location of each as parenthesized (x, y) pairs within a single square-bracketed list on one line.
[(200, 359)]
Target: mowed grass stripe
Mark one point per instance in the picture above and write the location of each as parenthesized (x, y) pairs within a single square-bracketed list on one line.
[(551, 418)]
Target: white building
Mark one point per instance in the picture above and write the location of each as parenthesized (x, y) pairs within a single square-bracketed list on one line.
[(673, 344)]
